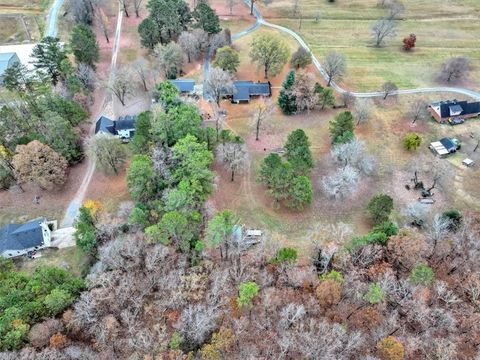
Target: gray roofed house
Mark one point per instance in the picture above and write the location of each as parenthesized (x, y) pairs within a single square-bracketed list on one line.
[(245, 89), (7, 60), (19, 239), (184, 85), (123, 127), (105, 125), (444, 110)]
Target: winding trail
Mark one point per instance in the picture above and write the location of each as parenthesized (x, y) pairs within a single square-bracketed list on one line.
[(74, 206), (261, 21), (52, 18)]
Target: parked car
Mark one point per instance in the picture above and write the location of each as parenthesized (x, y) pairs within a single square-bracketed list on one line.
[(456, 121)]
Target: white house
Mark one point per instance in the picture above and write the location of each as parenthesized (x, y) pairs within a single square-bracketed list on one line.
[(19, 239)]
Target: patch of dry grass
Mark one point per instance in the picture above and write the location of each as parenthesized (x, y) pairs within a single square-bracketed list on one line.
[(443, 29)]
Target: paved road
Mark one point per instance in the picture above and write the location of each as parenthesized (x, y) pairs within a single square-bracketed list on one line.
[(52, 19), (74, 206), (261, 21)]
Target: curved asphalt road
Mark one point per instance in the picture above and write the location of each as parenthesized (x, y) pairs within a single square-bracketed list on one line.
[(52, 18), (333, 84)]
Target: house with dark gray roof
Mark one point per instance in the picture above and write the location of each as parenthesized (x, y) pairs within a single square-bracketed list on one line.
[(123, 127), (7, 60), (19, 239), (245, 89), (443, 111)]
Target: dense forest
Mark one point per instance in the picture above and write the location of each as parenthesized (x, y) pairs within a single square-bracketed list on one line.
[(173, 280)]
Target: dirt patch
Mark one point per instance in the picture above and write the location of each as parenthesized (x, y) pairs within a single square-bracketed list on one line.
[(17, 206), (108, 189)]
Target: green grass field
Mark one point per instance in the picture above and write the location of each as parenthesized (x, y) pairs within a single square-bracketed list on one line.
[(443, 29), (40, 5), (22, 20), (73, 259)]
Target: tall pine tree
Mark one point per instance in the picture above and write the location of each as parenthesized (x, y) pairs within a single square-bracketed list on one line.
[(298, 152), (206, 18), (286, 98), (341, 128)]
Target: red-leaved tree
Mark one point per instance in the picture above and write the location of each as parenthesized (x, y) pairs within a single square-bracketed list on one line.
[(409, 42)]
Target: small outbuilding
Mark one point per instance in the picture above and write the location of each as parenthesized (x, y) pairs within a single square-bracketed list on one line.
[(445, 146), (468, 162), (7, 60), (184, 85)]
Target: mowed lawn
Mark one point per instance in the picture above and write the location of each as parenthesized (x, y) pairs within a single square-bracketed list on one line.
[(443, 29), (22, 20), (25, 4)]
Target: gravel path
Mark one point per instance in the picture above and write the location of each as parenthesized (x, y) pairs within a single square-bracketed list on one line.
[(74, 206), (52, 18)]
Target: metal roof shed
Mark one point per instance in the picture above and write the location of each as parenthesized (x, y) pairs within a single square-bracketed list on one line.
[(184, 85), (438, 148)]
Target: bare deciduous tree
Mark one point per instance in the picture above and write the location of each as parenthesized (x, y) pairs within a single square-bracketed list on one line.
[(189, 45), (418, 110), (121, 84), (416, 213), (438, 230), (335, 66), (170, 59), (142, 69), (395, 9), (304, 91), (388, 88), (219, 118), (261, 114), (348, 99), (108, 151), (454, 69), (125, 4), (231, 4), (87, 76), (217, 41), (296, 8), (103, 22), (234, 157), (196, 323), (291, 314), (382, 29), (362, 110), (342, 183), (218, 84), (137, 4), (201, 40), (354, 153)]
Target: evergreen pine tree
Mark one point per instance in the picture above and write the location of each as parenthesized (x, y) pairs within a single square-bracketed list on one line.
[(298, 152), (341, 128), (286, 99), (206, 18)]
